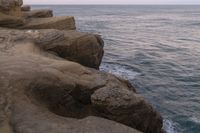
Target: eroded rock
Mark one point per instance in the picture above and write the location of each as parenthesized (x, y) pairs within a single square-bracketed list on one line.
[(83, 48), (11, 7), (35, 19), (60, 23), (44, 91), (10, 21), (9, 4), (37, 13), (25, 8), (126, 107)]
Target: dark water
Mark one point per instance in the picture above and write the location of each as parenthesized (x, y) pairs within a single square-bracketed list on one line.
[(157, 48)]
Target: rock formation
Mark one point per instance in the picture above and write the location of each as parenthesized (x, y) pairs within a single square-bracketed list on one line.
[(10, 21), (49, 82), (36, 13), (25, 8), (11, 7), (34, 19)]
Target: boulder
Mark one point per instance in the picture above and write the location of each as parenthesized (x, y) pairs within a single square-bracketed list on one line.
[(9, 4), (83, 48), (11, 7), (6, 5), (19, 2), (10, 21), (126, 107), (25, 8), (60, 23), (38, 14), (40, 91)]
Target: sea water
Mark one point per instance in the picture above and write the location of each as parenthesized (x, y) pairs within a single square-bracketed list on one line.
[(157, 48)]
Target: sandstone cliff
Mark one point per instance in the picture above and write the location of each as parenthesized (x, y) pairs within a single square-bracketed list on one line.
[(50, 83)]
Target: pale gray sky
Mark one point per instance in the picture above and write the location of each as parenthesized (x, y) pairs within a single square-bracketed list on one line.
[(112, 1)]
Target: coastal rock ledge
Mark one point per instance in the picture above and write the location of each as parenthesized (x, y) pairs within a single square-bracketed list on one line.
[(50, 82)]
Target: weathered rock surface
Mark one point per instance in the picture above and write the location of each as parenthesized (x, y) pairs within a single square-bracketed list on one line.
[(83, 48), (42, 92), (10, 21), (60, 23), (25, 8), (9, 4), (11, 7), (37, 13), (126, 107), (11, 12)]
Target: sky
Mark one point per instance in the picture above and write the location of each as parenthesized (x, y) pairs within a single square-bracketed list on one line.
[(112, 2)]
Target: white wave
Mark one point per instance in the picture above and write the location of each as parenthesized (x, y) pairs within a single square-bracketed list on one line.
[(169, 126), (195, 119), (119, 70)]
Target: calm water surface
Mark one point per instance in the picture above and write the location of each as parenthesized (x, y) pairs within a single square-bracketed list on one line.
[(157, 48)]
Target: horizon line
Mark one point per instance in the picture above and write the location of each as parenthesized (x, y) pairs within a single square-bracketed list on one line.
[(124, 4)]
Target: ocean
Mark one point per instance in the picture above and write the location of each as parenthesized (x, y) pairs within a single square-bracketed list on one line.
[(157, 48)]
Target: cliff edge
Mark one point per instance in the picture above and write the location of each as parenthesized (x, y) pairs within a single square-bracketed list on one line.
[(50, 83)]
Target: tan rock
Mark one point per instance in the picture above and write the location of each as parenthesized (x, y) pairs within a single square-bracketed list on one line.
[(9, 4), (38, 13), (11, 7), (25, 8), (83, 48), (10, 21), (126, 107), (42, 92), (17, 2), (60, 23)]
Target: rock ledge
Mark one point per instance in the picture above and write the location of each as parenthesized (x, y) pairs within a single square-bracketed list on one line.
[(50, 83)]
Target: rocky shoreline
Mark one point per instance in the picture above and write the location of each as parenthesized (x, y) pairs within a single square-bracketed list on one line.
[(50, 82)]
